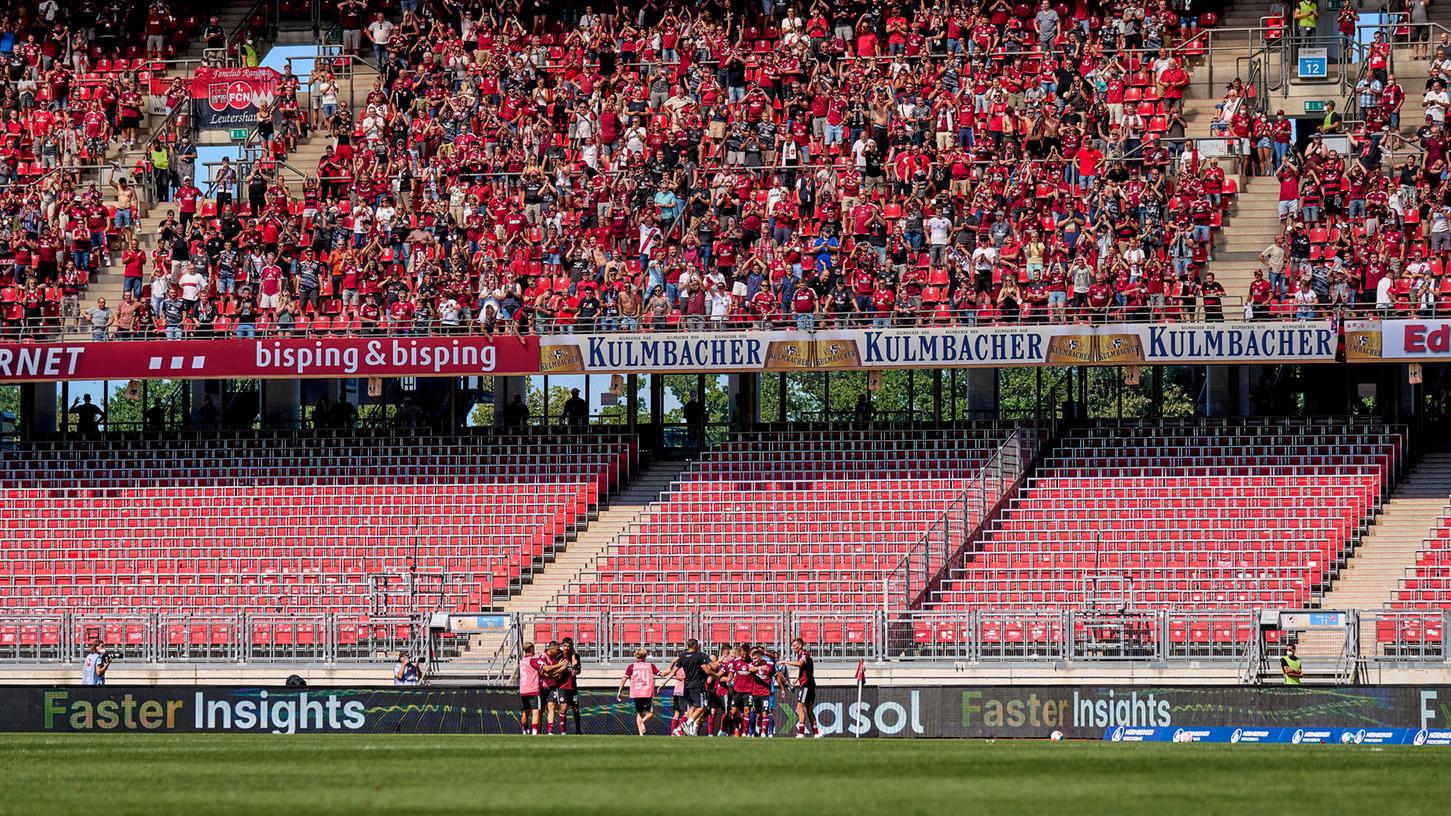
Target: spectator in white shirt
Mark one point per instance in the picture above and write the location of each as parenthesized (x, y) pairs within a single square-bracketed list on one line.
[(938, 229), (192, 284), (1436, 101), (1383, 300), (380, 34)]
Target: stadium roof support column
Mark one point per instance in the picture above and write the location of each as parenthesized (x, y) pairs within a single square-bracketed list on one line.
[(982, 392), (1405, 395), (281, 403), (1219, 400), (632, 398), (743, 391), (656, 438), (37, 408)]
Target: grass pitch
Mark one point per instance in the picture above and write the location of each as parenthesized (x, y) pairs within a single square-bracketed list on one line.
[(421, 775)]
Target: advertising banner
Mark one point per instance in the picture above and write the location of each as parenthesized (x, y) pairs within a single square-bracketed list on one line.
[(718, 352), (227, 98), (1284, 736), (947, 347), (269, 358), (1396, 714), (1375, 341), (1307, 341)]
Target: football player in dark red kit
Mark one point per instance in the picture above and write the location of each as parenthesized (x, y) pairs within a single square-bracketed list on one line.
[(719, 690), (738, 670), (762, 673), (569, 685), (551, 677), (805, 688)]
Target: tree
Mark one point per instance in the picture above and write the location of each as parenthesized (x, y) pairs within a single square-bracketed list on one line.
[(682, 388), (482, 414), (1109, 397), (125, 412), (10, 400)]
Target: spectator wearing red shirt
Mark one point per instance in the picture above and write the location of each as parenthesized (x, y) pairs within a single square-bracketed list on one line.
[(804, 306), (186, 197), (1260, 294)]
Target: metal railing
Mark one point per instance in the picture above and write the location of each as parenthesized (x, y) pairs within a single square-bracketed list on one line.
[(344, 68), (907, 584), (984, 636), (155, 638), (975, 636), (1405, 636), (326, 324), (270, 13)]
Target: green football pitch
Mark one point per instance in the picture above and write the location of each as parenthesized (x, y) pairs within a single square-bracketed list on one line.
[(421, 775)]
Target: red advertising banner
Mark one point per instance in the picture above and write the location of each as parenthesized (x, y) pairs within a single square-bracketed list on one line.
[(227, 98), (268, 358)]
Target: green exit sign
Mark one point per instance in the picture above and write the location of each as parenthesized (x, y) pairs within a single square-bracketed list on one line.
[(240, 134), (1314, 106), (1335, 5)]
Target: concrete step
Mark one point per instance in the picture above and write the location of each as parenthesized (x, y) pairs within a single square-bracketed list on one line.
[(597, 537), (1383, 555)]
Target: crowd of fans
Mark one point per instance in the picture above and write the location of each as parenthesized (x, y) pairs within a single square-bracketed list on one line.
[(1368, 226), (77, 81), (815, 165)]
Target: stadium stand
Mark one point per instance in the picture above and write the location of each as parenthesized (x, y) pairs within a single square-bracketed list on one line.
[(819, 516), (961, 165), (1201, 515), (841, 164), (729, 165), (291, 524), (807, 521)]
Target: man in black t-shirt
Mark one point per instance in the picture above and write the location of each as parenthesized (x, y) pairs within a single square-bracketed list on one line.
[(697, 667), (88, 415)]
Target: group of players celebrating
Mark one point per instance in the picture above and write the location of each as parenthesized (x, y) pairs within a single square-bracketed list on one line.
[(549, 684), (729, 693)]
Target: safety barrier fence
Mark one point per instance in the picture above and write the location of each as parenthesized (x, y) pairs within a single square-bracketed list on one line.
[(179, 638), (980, 635), (847, 634)]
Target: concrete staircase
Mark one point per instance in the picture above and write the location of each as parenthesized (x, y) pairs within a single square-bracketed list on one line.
[(1375, 570), (230, 16), (1252, 224), (1380, 560), (485, 656), (575, 563), (1249, 228)]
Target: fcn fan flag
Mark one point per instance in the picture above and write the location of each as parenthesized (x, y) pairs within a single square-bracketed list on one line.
[(227, 98)]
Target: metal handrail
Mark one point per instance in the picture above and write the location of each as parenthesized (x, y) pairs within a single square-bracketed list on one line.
[(342, 325), (271, 16), (1004, 468), (41, 181)]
